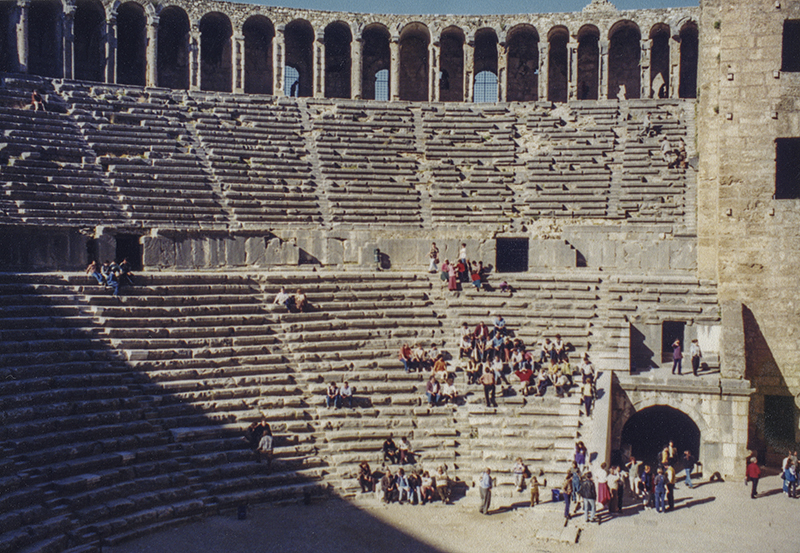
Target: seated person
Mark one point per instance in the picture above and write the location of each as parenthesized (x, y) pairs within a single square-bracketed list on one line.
[(499, 325), (403, 487), (113, 278), (443, 484), (544, 353), (433, 391), (406, 357), (346, 395), (497, 346), (37, 101), (428, 487), (542, 381), (284, 299), (463, 274), (560, 349), (405, 451), (516, 359), (300, 300), (94, 270), (265, 448), (365, 477), (440, 369), (499, 370), (476, 276), (449, 392), (332, 397), (419, 359), (508, 348), (525, 376), (126, 273), (474, 368), (562, 384), (465, 347), (504, 287), (390, 450), (433, 355), (481, 332), (415, 483), (388, 487)]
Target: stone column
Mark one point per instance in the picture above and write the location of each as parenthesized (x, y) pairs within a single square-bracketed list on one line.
[(502, 71), (23, 10), (151, 78), (572, 70), (469, 68), (544, 69), (433, 72), (355, 68), (68, 36), (602, 93), (319, 65), (195, 58), (277, 60), (238, 62), (111, 47), (644, 69), (674, 66), (394, 80)]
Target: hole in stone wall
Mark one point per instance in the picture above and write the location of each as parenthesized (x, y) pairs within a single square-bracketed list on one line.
[(689, 54), (787, 168), (130, 248), (337, 60), (375, 58), (588, 63), (451, 65), (523, 64), (299, 54), (173, 48), (671, 331), (413, 85), (215, 53), (779, 421), (624, 51), (8, 39), (557, 66), (131, 44), (511, 255), (258, 33), (659, 62)]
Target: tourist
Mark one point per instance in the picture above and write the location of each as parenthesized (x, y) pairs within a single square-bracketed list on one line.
[(405, 356), (403, 487), (462, 254), (521, 472), (688, 465), (660, 487), (504, 287), (753, 474), (476, 277), (462, 270), (405, 451), (284, 299), (666, 151), (499, 324), (485, 487), (587, 368), (428, 487), (589, 495), (37, 102), (647, 126), (587, 391), (562, 383), (634, 467), (534, 491), (434, 257), (265, 448), (300, 301), (525, 375), (601, 480), (542, 381), (346, 395), (419, 359), (790, 480), (390, 450), (444, 274), (694, 351), (489, 391), (433, 391), (576, 486), (669, 473), (388, 487), (365, 477), (481, 335), (499, 371), (579, 455), (443, 484), (474, 368), (452, 278), (415, 483), (440, 369), (433, 355), (94, 271), (332, 397), (113, 278), (544, 353), (126, 272), (646, 484), (465, 347), (568, 491), (613, 482), (560, 349), (449, 391)]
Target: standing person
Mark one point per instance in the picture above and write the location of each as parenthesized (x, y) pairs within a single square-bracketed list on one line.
[(603, 492), (677, 356), (568, 492), (660, 485), (462, 254), (487, 379), (753, 474), (669, 473), (36, 101), (587, 392), (443, 484), (646, 487), (589, 495), (688, 465), (614, 485), (580, 454), (534, 491), (696, 354), (434, 257), (790, 480), (520, 471), (485, 486), (634, 467), (444, 274), (452, 278)]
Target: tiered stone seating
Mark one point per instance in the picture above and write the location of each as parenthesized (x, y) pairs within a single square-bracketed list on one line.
[(470, 153), (257, 151), (148, 153), (367, 157)]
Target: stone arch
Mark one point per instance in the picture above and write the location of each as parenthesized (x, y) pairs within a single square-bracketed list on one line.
[(588, 63), (216, 62), (338, 62), (485, 51), (45, 54), (414, 62), (173, 48), (689, 56), (258, 33), (522, 83), (659, 60), (299, 36), (557, 64), (451, 65), (651, 428), (8, 40), (624, 53), (89, 50), (375, 57), (131, 44)]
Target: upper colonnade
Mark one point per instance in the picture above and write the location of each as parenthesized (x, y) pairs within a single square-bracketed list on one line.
[(245, 48)]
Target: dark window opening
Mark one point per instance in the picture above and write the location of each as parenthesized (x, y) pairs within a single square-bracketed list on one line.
[(779, 417), (44, 39), (413, 85), (89, 47), (522, 84), (299, 54), (791, 46), (128, 247), (216, 68), (624, 51), (671, 331), (588, 64), (258, 33), (375, 58), (659, 62), (557, 67), (173, 48), (511, 255), (689, 55), (131, 44), (8, 39), (451, 64), (337, 60), (787, 169)]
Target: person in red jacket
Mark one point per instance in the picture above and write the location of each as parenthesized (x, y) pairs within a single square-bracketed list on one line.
[(753, 474)]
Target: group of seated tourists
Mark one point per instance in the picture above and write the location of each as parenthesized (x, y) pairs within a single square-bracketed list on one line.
[(416, 486), (339, 397), (111, 274), (296, 303)]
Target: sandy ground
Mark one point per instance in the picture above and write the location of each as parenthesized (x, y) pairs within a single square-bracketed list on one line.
[(712, 517)]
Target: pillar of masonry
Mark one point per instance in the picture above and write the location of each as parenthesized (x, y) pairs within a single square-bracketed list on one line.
[(433, 71), (469, 63), (111, 47), (195, 60), (277, 60), (319, 65), (572, 69), (544, 69), (603, 92), (355, 68), (23, 10), (238, 62), (394, 80), (152, 50), (68, 36), (644, 69), (674, 65), (502, 70)]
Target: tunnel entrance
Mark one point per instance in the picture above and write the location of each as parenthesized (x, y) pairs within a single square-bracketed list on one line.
[(650, 430)]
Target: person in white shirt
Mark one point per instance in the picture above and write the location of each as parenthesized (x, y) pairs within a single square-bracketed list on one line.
[(284, 299), (694, 351), (346, 395), (449, 392)]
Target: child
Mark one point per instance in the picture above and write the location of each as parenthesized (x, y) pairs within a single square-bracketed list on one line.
[(534, 491)]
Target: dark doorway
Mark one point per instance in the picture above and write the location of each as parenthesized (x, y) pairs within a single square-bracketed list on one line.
[(337, 60), (790, 53), (689, 55), (300, 54), (650, 430), (511, 255), (780, 414), (670, 331), (375, 57), (173, 48), (659, 62), (131, 44), (128, 247), (451, 65), (44, 39), (624, 52), (258, 33), (588, 63)]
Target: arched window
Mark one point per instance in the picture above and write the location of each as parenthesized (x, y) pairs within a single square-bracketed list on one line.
[(44, 39), (381, 85), (414, 40), (291, 82), (557, 65), (451, 65), (375, 58), (216, 71), (624, 52), (588, 63), (258, 34), (523, 64), (659, 61), (485, 57), (8, 41), (131, 44), (90, 49), (337, 60), (485, 87), (689, 53), (300, 55), (173, 48)]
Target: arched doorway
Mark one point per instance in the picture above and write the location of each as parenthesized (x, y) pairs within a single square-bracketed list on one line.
[(375, 57), (215, 53), (8, 40), (451, 65), (624, 53), (173, 48), (300, 54), (648, 431), (258, 33), (689, 53), (131, 44), (557, 64), (659, 61), (337, 60), (90, 50), (485, 66), (588, 63), (522, 84), (414, 40), (44, 39)]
